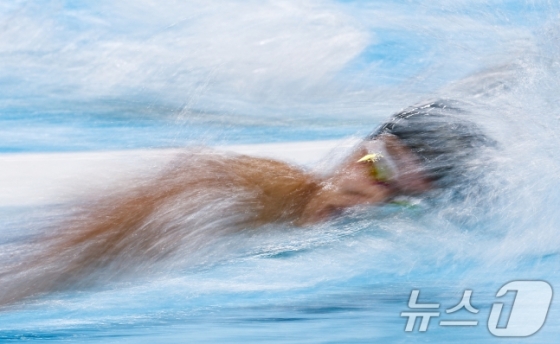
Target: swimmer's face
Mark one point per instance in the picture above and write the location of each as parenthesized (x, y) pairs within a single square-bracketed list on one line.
[(384, 167), (353, 183)]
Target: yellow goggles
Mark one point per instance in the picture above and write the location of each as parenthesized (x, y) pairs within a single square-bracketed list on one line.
[(380, 169)]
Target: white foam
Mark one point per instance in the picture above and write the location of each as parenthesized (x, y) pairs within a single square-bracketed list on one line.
[(181, 51)]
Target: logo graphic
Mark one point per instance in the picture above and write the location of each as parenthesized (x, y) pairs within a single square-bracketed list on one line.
[(529, 311), (527, 316)]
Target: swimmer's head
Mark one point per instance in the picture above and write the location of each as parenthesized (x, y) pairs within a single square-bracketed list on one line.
[(438, 137)]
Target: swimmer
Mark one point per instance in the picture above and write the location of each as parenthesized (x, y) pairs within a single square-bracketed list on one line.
[(209, 193), (420, 149)]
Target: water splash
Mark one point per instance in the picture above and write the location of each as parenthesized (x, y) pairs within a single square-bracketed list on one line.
[(313, 64)]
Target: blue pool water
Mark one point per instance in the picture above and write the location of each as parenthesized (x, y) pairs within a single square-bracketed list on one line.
[(142, 74)]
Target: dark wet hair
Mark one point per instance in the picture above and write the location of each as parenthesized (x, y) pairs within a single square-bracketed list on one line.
[(440, 136)]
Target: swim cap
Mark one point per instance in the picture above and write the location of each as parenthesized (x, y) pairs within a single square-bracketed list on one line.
[(439, 135)]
